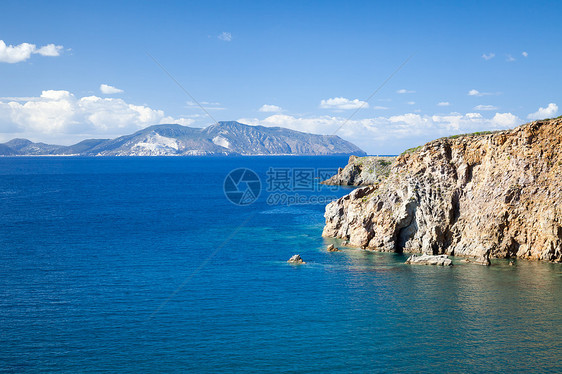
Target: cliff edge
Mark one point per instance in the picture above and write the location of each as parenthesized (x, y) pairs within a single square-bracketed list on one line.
[(362, 171), (497, 194)]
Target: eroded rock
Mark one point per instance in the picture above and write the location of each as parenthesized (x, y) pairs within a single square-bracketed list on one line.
[(439, 260), (499, 193)]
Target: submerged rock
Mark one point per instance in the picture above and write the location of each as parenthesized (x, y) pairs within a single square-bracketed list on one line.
[(296, 259), (440, 260)]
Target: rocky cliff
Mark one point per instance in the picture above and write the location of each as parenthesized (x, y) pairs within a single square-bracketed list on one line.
[(498, 194), (362, 171)]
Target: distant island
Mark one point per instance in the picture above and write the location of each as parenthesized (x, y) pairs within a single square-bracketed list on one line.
[(483, 195), (223, 138)]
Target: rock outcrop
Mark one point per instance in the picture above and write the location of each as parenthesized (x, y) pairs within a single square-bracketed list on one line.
[(496, 195), (332, 248), (439, 260), (296, 259), (362, 171)]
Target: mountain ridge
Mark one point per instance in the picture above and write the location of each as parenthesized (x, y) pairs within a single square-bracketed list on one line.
[(223, 138)]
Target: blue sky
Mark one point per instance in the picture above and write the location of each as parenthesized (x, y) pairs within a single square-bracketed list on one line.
[(307, 65)]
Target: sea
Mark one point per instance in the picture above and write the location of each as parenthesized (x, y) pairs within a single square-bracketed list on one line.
[(179, 264)]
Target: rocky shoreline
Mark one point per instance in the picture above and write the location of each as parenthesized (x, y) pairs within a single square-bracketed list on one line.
[(491, 195)]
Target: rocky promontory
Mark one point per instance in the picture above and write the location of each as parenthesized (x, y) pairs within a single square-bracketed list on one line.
[(482, 195), (362, 171)]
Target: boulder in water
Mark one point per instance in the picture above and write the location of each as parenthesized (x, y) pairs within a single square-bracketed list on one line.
[(440, 260), (296, 259), (332, 248)]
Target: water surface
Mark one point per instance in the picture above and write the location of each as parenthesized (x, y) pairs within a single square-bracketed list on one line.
[(142, 264)]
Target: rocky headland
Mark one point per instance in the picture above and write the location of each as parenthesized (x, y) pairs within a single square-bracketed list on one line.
[(482, 195), (362, 171)]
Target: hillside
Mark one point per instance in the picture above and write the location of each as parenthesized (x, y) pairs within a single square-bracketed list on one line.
[(224, 138)]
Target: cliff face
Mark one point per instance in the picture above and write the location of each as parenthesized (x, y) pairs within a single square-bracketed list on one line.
[(498, 194), (362, 171)]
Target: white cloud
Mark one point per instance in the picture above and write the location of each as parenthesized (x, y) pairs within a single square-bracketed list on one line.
[(443, 103), (411, 103), (542, 113), (21, 52), (505, 120), (108, 90), (343, 103), (525, 54), (270, 108), (50, 50), (509, 58), (380, 107), (485, 107), (474, 92), (405, 91), (488, 56), (59, 113), (391, 135), (225, 36)]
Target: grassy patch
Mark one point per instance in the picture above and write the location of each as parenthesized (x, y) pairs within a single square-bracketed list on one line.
[(472, 134), (411, 150), (384, 163)]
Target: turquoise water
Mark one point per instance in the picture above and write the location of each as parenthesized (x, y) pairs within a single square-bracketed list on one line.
[(142, 264)]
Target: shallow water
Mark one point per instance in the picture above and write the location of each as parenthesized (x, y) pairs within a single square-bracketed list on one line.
[(142, 264)]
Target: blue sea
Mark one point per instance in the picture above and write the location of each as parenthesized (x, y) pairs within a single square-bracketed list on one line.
[(144, 265)]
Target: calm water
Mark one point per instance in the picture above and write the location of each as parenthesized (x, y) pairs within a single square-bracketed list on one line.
[(142, 264)]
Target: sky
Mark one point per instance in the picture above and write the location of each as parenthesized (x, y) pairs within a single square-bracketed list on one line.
[(384, 75)]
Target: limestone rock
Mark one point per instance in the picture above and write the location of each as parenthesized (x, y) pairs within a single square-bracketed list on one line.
[(499, 193), (483, 260), (440, 260), (296, 259)]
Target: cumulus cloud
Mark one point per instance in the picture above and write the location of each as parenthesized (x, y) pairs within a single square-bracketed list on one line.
[(525, 54), (405, 91), (270, 108), (488, 56), (509, 58), (57, 112), (393, 134), (225, 36), (108, 90), (21, 52), (411, 103), (49, 50), (343, 103), (443, 103), (485, 107), (542, 113)]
